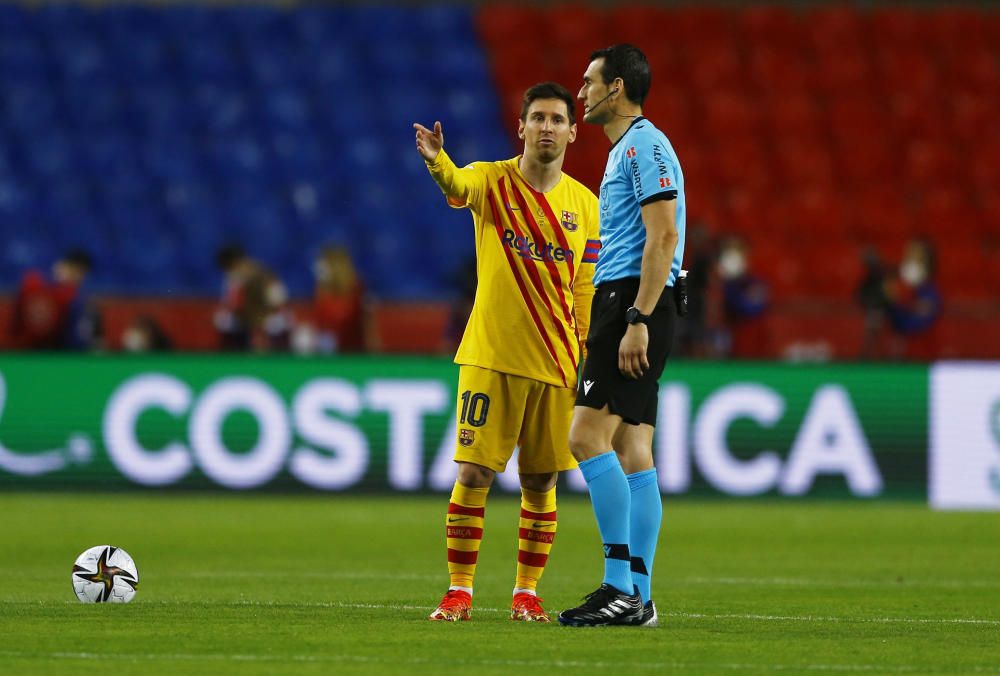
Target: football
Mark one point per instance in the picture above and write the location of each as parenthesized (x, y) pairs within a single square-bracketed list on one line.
[(105, 574)]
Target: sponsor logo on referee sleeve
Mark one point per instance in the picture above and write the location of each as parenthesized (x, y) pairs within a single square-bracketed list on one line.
[(587, 384)]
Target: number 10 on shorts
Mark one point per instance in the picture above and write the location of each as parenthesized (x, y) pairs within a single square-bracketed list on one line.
[(475, 408)]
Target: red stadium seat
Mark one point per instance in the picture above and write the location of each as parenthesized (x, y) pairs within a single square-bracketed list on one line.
[(773, 25), (898, 26), (781, 266), (818, 210), (832, 267), (698, 23), (916, 114), (716, 66), (778, 70), (880, 214), (962, 270), (929, 161), (509, 23), (846, 70), (729, 114), (908, 70), (797, 114), (829, 27), (805, 160), (965, 336)]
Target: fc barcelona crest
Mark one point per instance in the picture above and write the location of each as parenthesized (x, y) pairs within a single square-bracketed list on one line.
[(466, 437), (569, 220)]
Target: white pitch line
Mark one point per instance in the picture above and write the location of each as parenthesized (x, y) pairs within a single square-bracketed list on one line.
[(680, 581), (677, 614), (457, 661), (691, 616)]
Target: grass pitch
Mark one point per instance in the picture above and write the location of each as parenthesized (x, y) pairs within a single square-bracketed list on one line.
[(319, 584)]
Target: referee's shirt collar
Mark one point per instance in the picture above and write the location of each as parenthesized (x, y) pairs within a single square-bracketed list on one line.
[(634, 122)]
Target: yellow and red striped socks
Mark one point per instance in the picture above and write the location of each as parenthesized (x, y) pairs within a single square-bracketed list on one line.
[(536, 531), (464, 530)]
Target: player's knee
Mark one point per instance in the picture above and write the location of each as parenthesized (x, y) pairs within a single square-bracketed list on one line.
[(471, 475), (539, 483), (582, 446)]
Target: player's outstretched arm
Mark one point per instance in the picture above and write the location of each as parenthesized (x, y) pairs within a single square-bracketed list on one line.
[(463, 187), (429, 143)]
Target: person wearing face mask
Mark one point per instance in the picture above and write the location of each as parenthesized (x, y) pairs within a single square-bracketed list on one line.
[(913, 303), (745, 301), (144, 334)]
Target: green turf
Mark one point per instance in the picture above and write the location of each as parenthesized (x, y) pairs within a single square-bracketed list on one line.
[(268, 584)]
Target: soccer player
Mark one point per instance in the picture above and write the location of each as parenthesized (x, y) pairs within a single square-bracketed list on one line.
[(536, 232), (631, 332)]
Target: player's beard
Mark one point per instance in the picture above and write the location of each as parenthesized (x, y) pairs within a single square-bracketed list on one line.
[(548, 154)]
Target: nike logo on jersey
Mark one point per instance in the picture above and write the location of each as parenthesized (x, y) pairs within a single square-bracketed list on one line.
[(587, 384), (453, 519), (537, 525)]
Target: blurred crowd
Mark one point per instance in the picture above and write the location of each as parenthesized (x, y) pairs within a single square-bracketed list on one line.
[(730, 302), (55, 311)]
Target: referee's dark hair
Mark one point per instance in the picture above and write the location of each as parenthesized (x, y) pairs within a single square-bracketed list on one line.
[(548, 90), (629, 63)]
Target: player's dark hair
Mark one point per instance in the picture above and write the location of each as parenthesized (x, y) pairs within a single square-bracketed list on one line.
[(79, 258), (548, 90), (229, 255), (630, 64)]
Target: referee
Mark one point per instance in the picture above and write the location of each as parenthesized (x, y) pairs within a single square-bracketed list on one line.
[(631, 332)]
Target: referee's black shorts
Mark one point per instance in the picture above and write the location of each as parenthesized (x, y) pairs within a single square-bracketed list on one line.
[(602, 383)]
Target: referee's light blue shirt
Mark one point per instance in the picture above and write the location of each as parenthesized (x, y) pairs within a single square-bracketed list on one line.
[(642, 167)]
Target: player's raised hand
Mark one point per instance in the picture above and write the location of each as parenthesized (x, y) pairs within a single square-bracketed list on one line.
[(429, 143)]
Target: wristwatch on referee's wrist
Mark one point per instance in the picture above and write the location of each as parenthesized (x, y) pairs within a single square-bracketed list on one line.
[(633, 316)]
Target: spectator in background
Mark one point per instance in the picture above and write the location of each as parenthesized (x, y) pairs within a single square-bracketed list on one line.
[(145, 334), (870, 295), (56, 314), (253, 312), (913, 303), (693, 338), (339, 305), (745, 299), (466, 282)]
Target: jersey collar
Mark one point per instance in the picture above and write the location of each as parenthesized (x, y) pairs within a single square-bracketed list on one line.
[(634, 122)]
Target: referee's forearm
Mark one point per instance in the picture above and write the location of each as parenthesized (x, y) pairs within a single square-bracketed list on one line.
[(657, 257)]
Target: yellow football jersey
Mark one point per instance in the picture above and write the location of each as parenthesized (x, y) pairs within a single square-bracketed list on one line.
[(535, 255)]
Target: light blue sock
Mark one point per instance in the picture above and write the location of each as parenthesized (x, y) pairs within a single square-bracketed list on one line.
[(644, 527), (609, 493)]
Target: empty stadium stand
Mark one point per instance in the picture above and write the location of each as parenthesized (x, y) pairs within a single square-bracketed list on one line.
[(153, 134)]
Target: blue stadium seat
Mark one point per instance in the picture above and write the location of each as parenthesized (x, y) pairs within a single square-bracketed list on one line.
[(51, 156), (286, 108), (158, 133), (22, 59), (92, 106), (28, 108), (108, 152)]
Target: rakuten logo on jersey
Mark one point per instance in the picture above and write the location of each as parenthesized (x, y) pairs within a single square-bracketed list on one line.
[(527, 248)]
